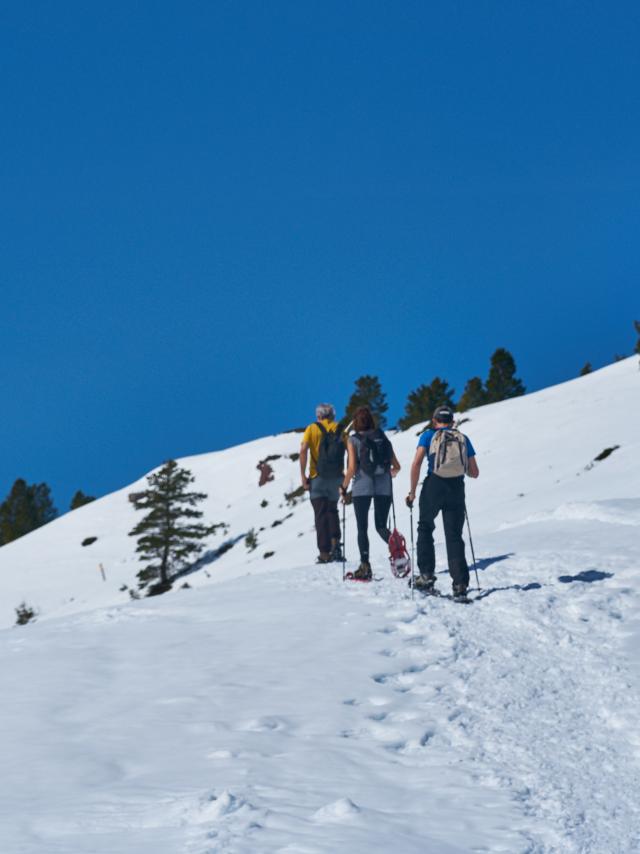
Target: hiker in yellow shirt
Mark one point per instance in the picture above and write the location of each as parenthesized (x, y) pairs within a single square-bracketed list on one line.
[(323, 447)]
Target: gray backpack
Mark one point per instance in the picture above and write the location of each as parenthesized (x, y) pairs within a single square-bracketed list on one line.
[(449, 450)]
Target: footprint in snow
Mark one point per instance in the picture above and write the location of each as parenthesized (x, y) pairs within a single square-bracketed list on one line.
[(222, 817), (213, 807), (378, 716), (265, 724), (402, 680)]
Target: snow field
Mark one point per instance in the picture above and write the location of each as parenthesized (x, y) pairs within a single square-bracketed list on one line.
[(272, 708), (291, 712)]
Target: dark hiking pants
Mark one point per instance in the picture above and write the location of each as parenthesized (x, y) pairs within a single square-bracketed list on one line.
[(361, 505), (324, 500), (446, 495)]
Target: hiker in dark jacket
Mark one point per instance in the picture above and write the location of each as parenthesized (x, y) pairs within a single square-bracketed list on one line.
[(450, 456), (367, 487), (323, 486)]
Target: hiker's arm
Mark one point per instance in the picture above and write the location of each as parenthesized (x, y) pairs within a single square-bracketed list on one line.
[(304, 453), (416, 465), (351, 468), (395, 465), (472, 467)]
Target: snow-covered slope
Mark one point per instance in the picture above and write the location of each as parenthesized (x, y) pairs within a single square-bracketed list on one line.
[(285, 711), (534, 454)]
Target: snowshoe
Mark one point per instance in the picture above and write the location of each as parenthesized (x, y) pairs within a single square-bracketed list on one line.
[(398, 555), (336, 553), (460, 594), (425, 584), (362, 573)]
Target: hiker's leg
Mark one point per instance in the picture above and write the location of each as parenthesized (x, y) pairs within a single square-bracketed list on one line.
[(430, 498), (453, 519), (381, 506), (320, 507), (361, 504)]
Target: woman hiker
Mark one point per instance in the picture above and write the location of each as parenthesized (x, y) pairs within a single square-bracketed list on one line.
[(371, 465)]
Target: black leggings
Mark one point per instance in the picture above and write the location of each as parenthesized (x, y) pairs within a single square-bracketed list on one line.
[(381, 505)]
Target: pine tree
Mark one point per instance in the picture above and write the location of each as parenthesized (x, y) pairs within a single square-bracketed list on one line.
[(586, 369), (636, 326), (368, 392), (422, 402), (80, 499), (25, 509), (474, 394), (502, 382), (168, 535)]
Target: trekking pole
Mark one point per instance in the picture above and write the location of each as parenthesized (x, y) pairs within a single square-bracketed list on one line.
[(412, 548), (466, 515), (344, 539), (393, 507)]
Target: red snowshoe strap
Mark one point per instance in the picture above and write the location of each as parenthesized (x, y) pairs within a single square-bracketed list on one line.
[(397, 545)]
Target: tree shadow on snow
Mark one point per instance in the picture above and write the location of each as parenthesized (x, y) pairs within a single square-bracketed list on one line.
[(588, 576), (208, 557)]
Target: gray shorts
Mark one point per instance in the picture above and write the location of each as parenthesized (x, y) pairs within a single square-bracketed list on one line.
[(365, 485), (325, 487)]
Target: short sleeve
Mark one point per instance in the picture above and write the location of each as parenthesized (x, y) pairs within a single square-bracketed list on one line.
[(306, 436), (471, 452), (425, 439)]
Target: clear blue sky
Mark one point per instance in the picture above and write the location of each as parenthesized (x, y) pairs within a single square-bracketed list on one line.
[(216, 214)]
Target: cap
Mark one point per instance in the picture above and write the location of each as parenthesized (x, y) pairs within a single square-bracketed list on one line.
[(443, 414)]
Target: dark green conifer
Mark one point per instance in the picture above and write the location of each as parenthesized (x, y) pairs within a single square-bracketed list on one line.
[(474, 394), (636, 326), (26, 508), (424, 400), (586, 369), (368, 392), (80, 499), (168, 536), (502, 382)]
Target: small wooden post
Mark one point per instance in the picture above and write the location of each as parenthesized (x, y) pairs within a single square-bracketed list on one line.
[(104, 577)]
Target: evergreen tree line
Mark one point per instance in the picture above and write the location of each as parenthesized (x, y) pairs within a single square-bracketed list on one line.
[(29, 506), (501, 384)]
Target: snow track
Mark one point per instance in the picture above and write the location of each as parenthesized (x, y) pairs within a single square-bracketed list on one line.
[(292, 713)]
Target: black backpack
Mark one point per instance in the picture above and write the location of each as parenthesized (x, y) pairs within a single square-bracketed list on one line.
[(330, 462), (376, 452)]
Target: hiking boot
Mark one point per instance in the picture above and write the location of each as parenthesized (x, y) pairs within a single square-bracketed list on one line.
[(336, 551), (426, 583), (459, 591), (323, 557), (363, 572)]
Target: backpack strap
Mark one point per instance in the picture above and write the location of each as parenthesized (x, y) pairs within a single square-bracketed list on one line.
[(358, 446), (324, 433)]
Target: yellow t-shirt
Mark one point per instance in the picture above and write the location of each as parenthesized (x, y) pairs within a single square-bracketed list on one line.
[(312, 436)]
